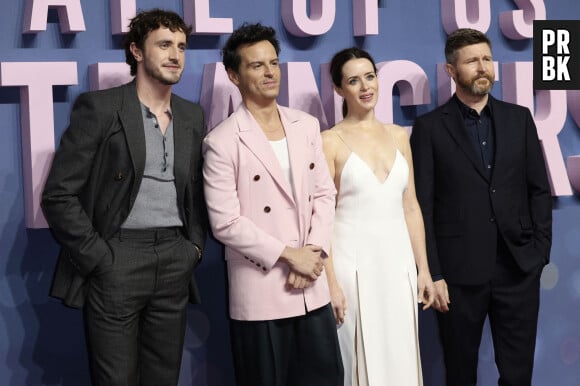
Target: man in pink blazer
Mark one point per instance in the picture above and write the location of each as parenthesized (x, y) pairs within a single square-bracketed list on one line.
[(271, 201)]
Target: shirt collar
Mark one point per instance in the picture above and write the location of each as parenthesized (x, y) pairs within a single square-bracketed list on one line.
[(468, 112)]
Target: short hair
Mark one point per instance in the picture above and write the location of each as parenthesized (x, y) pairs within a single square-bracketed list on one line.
[(461, 38), (246, 34), (339, 60), (145, 22)]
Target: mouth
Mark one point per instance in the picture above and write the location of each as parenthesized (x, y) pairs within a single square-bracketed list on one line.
[(270, 83), (366, 97)]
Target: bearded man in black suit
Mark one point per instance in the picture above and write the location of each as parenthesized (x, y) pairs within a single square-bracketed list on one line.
[(482, 186)]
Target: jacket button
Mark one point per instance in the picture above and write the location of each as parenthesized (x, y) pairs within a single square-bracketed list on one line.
[(264, 269), (119, 176), (257, 177), (246, 257), (267, 209), (311, 165)]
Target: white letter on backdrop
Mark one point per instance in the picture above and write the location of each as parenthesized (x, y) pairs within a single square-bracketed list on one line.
[(70, 15), (297, 22), (37, 128)]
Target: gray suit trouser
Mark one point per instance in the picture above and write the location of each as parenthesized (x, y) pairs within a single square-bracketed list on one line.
[(135, 312)]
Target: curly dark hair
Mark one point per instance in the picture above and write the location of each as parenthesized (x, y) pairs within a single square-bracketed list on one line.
[(246, 34), (461, 38), (145, 22), (339, 60)]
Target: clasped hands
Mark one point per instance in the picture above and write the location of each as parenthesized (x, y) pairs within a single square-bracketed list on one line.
[(305, 263)]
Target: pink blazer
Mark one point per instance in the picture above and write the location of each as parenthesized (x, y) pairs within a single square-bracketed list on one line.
[(255, 214)]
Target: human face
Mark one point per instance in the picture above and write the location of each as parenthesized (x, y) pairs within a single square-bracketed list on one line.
[(258, 77), (360, 86), (473, 70), (162, 57)]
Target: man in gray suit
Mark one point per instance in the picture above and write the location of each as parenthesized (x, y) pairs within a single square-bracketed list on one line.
[(124, 198)]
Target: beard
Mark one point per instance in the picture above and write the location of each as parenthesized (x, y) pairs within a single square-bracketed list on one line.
[(475, 86), (156, 73)]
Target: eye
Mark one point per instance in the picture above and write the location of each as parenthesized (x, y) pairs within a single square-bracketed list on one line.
[(371, 76), (181, 48), (275, 63), (352, 81)]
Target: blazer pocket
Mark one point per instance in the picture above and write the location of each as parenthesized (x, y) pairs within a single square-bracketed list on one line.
[(446, 229)]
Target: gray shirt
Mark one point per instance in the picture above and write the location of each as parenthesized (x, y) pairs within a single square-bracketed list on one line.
[(156, 202)]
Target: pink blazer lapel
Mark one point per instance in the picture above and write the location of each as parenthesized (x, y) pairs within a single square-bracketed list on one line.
[(255, 140), (298, 150)]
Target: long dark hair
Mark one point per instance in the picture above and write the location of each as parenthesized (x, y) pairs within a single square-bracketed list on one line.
[(338, 61)]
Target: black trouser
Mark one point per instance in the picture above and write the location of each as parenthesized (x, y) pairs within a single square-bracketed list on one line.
[(135, 310), (298, 351), (511, 300)]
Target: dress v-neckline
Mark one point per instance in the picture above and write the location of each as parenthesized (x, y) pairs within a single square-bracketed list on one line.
[(367, 166)]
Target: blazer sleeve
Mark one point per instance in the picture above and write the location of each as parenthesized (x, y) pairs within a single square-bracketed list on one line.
[(226, 221), (423, 163), (324, 197), (200, 222), (70, 171), (539, 192)]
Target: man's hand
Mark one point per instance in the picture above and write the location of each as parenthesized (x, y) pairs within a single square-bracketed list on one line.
[(442, 301), (305, 261), (298, 281)]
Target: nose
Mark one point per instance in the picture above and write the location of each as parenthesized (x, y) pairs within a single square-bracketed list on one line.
[(268, 70), (174, 52)]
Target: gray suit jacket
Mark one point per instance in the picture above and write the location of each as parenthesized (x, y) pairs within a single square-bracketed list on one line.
[(96, 174)]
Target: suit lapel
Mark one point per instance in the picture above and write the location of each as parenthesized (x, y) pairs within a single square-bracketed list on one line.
[(132, 122), (297, 150), (453, 122), (255, 140)]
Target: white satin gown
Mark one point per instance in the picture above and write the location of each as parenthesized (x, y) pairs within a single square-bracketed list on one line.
[(375, 266)]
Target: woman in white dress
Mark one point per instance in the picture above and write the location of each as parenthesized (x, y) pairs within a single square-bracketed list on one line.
[(378, 270)]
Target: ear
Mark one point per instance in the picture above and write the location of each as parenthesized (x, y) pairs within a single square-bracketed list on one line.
[(234, 77), (450, 70), (338, 90), (136, 51)]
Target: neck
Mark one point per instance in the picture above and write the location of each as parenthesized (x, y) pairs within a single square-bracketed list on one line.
[(268, 119), (363, 119), (263, 112), (476, 102), (155, 96)]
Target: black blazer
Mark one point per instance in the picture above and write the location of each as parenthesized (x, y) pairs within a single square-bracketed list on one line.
[(464, 212), (96, 174)]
